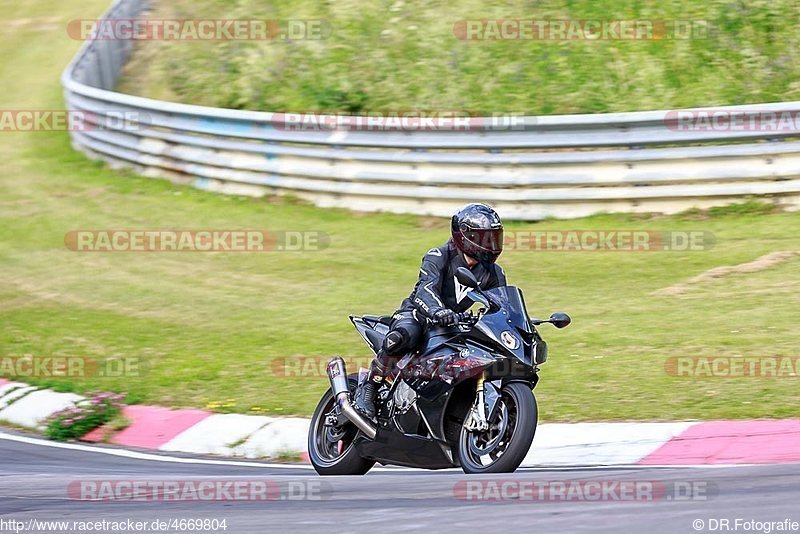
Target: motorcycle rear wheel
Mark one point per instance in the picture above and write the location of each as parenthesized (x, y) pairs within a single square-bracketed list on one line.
[(332, 452)]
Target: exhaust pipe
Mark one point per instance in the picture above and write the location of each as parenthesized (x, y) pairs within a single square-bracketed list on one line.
[(337, 374)]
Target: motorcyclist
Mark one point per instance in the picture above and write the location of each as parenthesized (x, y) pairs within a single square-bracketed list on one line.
[(476, 242)]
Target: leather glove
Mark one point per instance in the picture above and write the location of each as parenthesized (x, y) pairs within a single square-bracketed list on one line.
[(445, 317)]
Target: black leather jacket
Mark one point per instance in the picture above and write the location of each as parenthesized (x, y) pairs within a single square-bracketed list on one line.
[(437, 287)]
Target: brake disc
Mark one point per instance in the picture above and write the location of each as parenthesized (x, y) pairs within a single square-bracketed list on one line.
[(491, 444), (333, 435)]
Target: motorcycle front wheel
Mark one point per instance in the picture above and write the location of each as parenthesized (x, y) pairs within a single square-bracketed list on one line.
[(503, 446)]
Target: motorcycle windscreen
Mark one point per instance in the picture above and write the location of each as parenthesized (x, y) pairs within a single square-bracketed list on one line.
[(509, 327), (510, 299)]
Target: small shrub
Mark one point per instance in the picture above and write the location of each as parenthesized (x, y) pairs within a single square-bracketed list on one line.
[(74, 422)]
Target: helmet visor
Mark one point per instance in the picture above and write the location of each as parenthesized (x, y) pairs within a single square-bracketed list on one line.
[(490, 241)]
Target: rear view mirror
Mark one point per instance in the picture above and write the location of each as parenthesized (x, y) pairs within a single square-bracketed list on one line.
[(466, 278), (560, 320)]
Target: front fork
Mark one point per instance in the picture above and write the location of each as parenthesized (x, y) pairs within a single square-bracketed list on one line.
[(478, 418)]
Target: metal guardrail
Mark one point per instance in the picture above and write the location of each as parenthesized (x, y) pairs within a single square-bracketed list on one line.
[(550, 166)]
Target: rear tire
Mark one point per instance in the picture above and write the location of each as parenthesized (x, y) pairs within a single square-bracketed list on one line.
[(326, 460), (513, 445)]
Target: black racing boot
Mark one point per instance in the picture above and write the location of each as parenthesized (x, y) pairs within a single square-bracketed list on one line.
[(365, 394)]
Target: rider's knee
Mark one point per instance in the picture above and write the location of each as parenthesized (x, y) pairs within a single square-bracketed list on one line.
[(395, 342)]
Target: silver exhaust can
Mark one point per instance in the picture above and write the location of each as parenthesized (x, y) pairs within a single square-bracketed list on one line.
[(337, 374)]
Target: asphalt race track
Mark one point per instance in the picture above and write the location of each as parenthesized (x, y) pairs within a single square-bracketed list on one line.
[(35, 482)]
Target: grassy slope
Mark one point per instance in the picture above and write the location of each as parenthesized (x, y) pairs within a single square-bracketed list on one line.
[(396, 55), (210, 324)]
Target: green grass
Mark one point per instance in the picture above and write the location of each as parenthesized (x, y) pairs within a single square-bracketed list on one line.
[(403, 55), (208, 326)]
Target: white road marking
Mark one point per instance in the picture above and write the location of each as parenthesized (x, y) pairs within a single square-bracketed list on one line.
[(204, 461), (144, 456)]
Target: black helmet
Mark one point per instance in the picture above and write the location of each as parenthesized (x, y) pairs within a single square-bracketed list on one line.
[(478, 232)]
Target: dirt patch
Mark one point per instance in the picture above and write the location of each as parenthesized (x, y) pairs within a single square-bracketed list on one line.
[(42, 24), (759, 264)]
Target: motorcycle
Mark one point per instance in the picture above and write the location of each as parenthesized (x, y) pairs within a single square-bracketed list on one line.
[(465, 398)]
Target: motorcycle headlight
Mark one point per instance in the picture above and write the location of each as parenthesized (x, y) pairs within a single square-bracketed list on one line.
[(509, 339), (539, 351)]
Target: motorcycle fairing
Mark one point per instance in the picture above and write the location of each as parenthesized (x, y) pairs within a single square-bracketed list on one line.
[(414, 434), (372, 329)]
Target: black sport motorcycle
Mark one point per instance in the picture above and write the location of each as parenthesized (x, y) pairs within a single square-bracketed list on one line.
[(464, 399)]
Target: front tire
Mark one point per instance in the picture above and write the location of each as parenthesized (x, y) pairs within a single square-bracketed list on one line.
[(503, 447), (332, 451)]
